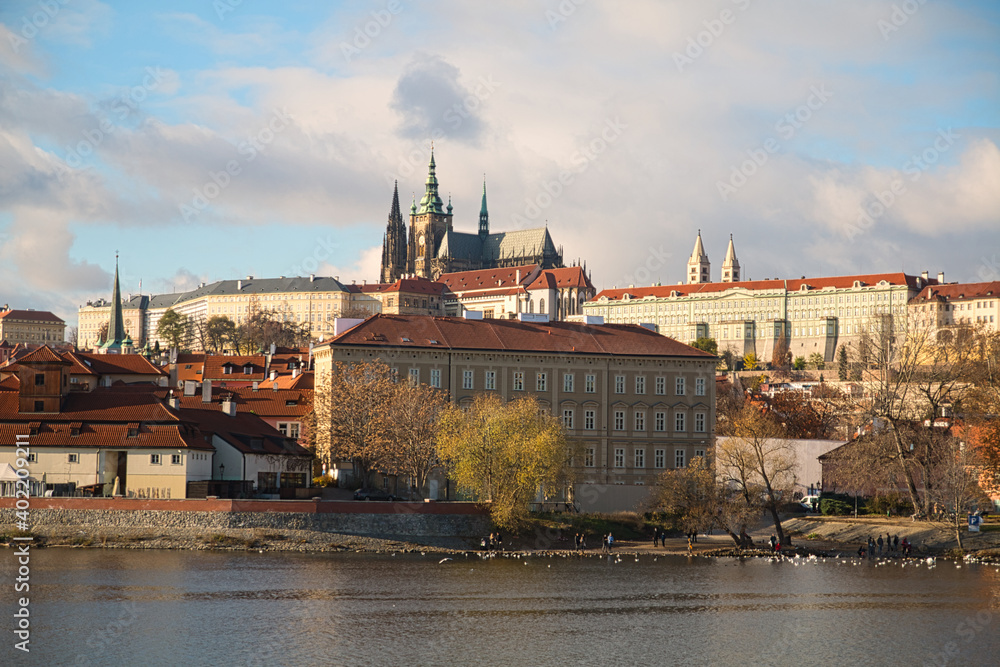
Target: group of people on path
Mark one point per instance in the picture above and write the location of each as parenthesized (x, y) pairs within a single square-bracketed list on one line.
[(889, 545), (775, 544), (492, 543)]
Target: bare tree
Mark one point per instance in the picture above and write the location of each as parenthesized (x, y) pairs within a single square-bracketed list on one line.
[(759, 463), (413, 419)]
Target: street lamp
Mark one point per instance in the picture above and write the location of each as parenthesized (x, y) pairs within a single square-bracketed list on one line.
[(222, 471)]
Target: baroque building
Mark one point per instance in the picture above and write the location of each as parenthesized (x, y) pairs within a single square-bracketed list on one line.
[(432, 246)]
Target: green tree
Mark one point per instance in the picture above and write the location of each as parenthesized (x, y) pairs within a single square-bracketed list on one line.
[(799, 363), (174, 328), (503, 454), (706, 345), (843, 365), (220, 330), (750, 361), (816, 361)]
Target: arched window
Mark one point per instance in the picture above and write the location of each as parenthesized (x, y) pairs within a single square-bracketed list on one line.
[(531, 306), (541, 305)]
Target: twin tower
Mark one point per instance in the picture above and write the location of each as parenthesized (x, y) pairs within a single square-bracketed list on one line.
[(700, 270)]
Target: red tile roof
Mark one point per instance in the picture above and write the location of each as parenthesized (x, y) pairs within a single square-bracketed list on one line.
[(841, 282), (246, 432), (959, 291), (44, 354), (511, 335), (461, 281), (99, 435), (31, 315), (415, 286), (117, 364), (570, 276), (263, 402)]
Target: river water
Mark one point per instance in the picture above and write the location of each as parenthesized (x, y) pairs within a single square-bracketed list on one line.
[(125, 607)]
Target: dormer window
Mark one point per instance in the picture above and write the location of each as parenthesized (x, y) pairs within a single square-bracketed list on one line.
[(248, 369), (291, 402), (227, 369), (133, 432)]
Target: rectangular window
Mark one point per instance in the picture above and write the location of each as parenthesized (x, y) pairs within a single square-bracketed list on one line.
[(588, 458), (568, 418), (436, 378), (518, 380), (154, 459), (679, 387), (414, 377), (491, 380), (39, 379), (661, 386), (661, 421), (541, 381), (699, 386), (700, 453), (640, 458), (619, 457), (699, 422), (467, 379), (619, 420), (659, 458), (175, 459), (640, 420), (619, 384), (73, 458), (588, 420), (567, 382), (678, 458), (590, 384), (679, 421), (640, 384)]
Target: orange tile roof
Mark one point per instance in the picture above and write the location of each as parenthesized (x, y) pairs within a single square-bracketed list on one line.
[(99, 435), (118, 364), (43, 354), (415, 286), (418, 331), (263, 402), (246, 432), (214, 367), (841, 282)]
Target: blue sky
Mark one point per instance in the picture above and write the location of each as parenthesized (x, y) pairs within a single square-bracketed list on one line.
[(213, 139)]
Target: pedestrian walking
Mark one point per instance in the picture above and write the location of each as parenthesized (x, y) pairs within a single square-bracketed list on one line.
[(879, 543), (611, 542)]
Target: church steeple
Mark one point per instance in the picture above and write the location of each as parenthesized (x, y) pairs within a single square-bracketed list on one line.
[(116, 325), (731, 265), (431, 201), (394, 243), (699, 268), (484, 216)]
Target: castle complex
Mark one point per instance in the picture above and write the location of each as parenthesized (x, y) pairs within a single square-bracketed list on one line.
[(432, 247)]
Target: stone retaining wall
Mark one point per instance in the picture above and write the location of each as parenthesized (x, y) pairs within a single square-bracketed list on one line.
[(386, 520)]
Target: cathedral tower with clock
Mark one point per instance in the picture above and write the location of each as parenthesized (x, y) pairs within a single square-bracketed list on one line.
[(433, 247)]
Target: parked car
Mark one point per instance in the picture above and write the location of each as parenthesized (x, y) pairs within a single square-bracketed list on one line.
[(373, 494), (811, 503)]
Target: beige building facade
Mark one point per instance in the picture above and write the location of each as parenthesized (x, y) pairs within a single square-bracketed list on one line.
[(633, 403), (36, 327)]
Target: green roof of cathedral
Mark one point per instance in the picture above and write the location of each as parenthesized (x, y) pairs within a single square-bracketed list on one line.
[(431, 201)]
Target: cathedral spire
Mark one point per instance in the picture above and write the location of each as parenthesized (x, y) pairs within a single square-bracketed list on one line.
[(394, 242), (431, 201), (731, 265), (484, 215), (116, 325)]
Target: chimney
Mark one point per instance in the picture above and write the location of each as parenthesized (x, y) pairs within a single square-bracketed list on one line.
[(229, 405), (206, 391), (274, 374), (941, 277), (255, 383), (174, 402), (189, 387), (517, 278), (312, 277), (274, 387), (239, 285), (924, 275), (295, 372)]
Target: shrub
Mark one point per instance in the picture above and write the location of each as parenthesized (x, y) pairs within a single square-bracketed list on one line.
[(834, 507)]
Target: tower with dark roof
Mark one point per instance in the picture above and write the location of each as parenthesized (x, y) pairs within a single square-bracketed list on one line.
[(429, 222), (394, 243), (484, 216), (117, 337)]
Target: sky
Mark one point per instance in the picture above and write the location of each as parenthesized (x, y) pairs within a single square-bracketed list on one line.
[(206, 140)]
